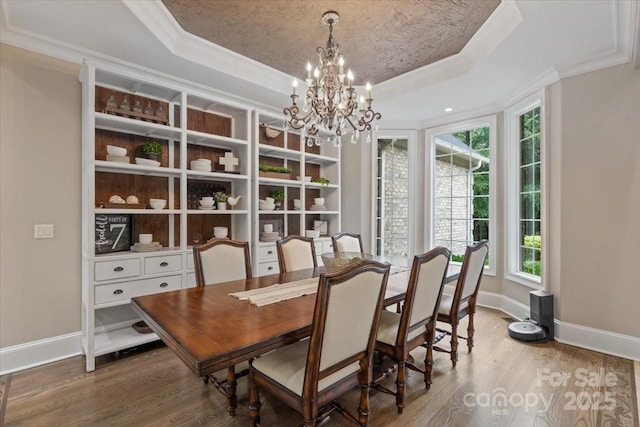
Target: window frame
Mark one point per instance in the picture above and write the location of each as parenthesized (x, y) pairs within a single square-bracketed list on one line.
[(491, 122), (512, 193), (411, 138)]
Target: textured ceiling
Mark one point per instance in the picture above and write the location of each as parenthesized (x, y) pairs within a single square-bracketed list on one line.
[(379, 39)]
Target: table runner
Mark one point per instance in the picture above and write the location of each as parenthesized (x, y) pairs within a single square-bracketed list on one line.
[(278, 292)]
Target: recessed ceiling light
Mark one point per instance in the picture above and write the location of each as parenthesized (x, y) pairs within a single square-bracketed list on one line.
[(448, 110)]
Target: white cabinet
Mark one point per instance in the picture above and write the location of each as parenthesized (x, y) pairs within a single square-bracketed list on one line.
[(188, 123), (267, 257), (309, 175)]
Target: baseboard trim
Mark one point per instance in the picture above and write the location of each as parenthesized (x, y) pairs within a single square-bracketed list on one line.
[(41, 352), (36, 353), (598, 340)]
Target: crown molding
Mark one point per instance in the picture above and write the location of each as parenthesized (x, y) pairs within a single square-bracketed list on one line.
[(159, 21), (494, 31)]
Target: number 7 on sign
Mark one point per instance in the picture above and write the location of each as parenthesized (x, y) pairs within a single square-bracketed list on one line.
[(121, 227)]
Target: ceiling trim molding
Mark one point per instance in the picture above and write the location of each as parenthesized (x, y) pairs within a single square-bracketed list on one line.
[(494, 31), (159, 21), (626, 20)]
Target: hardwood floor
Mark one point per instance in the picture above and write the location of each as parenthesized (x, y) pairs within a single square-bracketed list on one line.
[(502, 383)]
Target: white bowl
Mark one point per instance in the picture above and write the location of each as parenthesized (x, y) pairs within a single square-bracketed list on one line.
[(270, 200), (116, 151), (145, 239), (147, 162), (198, 165), (220, 232), (157, 203), (206, 203), (207, 161), (312, 233), (318, 201)]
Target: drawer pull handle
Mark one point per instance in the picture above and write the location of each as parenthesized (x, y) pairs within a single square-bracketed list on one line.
[(270, 268), (164, 264), (270, 253), (118, 291), (118, 269), (164, 284)]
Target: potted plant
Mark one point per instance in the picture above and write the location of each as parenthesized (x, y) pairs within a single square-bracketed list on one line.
[(322, 181), (278, 196), (269, 171), (152, 150), (221, 200)]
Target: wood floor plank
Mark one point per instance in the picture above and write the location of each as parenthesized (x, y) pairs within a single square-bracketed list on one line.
[(152, 387)]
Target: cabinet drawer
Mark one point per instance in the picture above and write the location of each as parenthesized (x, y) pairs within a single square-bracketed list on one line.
[(107, 270), (265, 268), (267, 253), (126, 290), (162, 264)]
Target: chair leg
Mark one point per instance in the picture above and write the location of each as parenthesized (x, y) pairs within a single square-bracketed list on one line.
[(428, 365), (470, 331), (363, 409), (254, 402), (400, 385), (454, 343)]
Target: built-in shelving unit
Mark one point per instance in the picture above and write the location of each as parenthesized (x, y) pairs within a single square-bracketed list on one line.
[(275, 146), (192, 124)]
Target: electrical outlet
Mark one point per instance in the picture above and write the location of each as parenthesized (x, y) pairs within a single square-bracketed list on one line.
[(43, 231)]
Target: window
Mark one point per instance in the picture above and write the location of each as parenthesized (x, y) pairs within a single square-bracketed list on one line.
[(462, 186), (529, 200), (525, 191), (392, 197)]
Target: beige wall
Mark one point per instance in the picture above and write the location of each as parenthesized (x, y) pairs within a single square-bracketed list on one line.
[(40, 179), (600, 210)]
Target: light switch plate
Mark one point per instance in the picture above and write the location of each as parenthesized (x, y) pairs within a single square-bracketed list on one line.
[(43, 231)]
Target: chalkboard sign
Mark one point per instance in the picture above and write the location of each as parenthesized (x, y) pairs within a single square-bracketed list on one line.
[(113, 233)]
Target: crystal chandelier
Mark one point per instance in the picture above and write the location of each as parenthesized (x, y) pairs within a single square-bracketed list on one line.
[(331, 105)]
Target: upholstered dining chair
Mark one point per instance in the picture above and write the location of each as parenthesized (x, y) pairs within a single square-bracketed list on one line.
[(399, 333), (310, 374), (217, 261), (347, 242), (296, 253), (463, 301), (221, 260)]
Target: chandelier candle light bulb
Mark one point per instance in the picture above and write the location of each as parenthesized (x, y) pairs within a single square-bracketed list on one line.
[(329, 106)]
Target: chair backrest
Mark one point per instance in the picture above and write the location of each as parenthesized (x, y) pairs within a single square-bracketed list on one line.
[(347, 242), (424, 292), (296, 253), (345, 321), (221, 260), (470, 273)]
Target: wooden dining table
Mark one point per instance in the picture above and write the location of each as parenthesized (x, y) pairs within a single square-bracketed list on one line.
[(209, 330)]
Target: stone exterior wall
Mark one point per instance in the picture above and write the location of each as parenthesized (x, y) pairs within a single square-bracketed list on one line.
[(452, 179), (395, 201)]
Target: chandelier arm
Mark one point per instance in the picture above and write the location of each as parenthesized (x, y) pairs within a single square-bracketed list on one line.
[(367, 117)]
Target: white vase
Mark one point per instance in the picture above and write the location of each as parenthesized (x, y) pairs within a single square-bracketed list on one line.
[(222, 206)]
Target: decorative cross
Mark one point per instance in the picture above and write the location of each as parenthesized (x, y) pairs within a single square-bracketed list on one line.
[(229, 161)]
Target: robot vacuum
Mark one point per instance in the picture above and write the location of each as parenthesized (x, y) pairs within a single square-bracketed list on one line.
[(540, 327), (526, 331)]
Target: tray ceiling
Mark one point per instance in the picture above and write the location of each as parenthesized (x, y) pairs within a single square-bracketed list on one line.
[(379, 39)]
